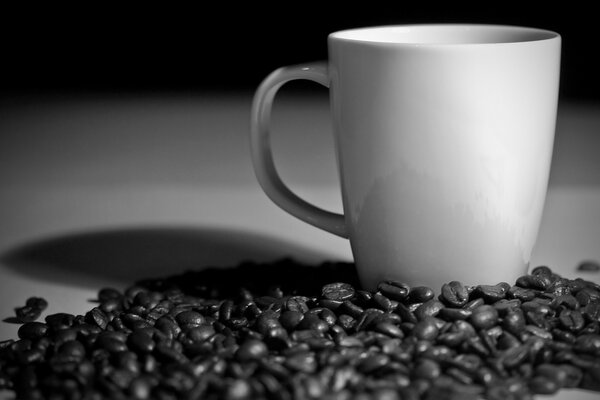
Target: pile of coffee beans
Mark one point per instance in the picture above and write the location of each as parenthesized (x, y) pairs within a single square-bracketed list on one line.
[(284, 330)]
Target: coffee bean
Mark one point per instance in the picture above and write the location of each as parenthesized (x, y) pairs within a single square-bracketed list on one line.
[(484, 317), (504, 306), (238, 389), (73, 348), (32, 330), (430, 308), (427, 369), (350, 309), (453, 314), (189, 318), (251, 349), (454, 294), (313, 322), (37, 303), (389, 329), (405, 314), (588, 344), (515, 356), (297, 303), (566, 300), (589, 266), (27, 314), (302, 362), (382, 302), (59, 321), (338, 291), (522, 294), (420, 294), (98, 317), (514, 322), (571, 319), (394, 290), (507, 340), (426, 329), (367, 318), (140, 342), (541, 270), (543, 385), (539, 282), (491, 294)]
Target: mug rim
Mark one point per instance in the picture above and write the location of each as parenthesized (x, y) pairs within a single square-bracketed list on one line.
[(473, 32)]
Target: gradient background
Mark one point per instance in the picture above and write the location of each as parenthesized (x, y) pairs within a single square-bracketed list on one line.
[(227, 47)]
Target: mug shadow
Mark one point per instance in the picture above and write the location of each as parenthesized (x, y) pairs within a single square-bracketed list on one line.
[(124, 256)]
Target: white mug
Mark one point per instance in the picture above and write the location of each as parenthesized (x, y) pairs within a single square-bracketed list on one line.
[(444, 137)]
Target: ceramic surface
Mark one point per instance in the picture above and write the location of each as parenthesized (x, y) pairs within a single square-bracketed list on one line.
[(444, 137)]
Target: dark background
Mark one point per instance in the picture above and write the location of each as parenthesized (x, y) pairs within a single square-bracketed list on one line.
[(224, 47)]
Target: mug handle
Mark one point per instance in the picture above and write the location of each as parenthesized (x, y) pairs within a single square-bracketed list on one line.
[(262, 156)]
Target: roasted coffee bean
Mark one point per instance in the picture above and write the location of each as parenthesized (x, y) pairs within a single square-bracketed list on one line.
[(522, 294), (571, 319), (372, 363), (405, 314), (313, 322), (141, 342), (382, 302), (394, 290), (589, 266), (426, 329), (507, 340), (454, 294), (189, 318), (505, 306), (491, 294), (297, 303), (588, 344), (72, 348), (591, 312), (484, 317), (541, 270), (168, 326), (98, 317), (537, 306), (389, 329), (515, 356), (338, 291), (543, 385), (302, 362), (566, 300), (32, 330), (420, 294), (537, 331), (350, 309), (453, 314), (539, 282), (59, 321), (27, 314), (430, 308), (427, 369), (252, 349), (328, 316), (266, 321), (514, 322), (290, 319), (277, 338), (367, 318), (37, 303)]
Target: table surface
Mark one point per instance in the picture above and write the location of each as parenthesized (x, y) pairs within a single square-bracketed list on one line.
[(104, 190)]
